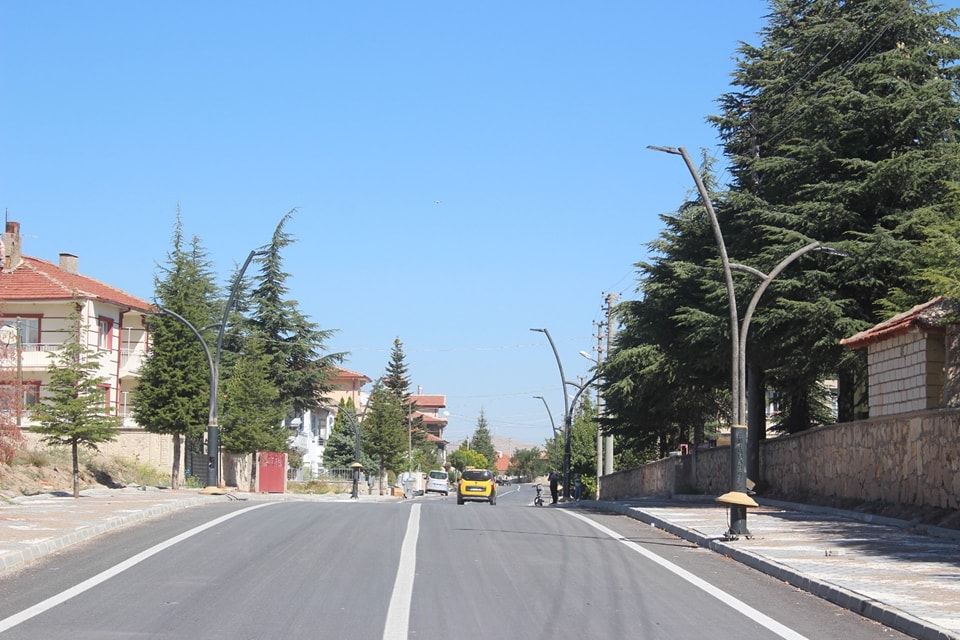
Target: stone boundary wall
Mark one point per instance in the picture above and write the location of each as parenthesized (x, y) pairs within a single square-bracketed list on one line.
[(911, 459), (149, 449), (654, 479)]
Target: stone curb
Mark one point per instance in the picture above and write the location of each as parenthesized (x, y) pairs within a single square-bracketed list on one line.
[(867, 607)]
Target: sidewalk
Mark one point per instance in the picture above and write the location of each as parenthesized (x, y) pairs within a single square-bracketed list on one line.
[(33, 526), (904, 576)]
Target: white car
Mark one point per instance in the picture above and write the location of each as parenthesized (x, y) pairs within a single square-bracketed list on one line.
[(438, 481)]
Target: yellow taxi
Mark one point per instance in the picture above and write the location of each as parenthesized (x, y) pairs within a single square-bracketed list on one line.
[(476, 485)]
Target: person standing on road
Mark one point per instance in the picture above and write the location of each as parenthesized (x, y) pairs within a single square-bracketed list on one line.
[(554, 486)]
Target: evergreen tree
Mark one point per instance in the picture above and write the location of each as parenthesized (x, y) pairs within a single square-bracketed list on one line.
[(292, 344), (396, 379), (252, 418), (842, 128), (341, 448), (384, 433), (422, 452), (75, 411), (482, 442), (173, 393), (668, 370)]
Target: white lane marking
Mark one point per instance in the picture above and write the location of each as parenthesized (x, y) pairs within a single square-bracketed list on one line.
[(63, 596), (398, 613), (722, 596)]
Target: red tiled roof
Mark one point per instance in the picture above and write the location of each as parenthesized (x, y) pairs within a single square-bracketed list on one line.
[(346, 374), (38, 280), (431, 401), (502, 462), (924, 316)]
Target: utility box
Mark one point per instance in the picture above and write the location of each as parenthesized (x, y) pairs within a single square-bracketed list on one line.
[(271, 472)]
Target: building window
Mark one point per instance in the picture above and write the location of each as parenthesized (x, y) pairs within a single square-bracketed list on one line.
[(27, 330), (105, 389), (106, 334)]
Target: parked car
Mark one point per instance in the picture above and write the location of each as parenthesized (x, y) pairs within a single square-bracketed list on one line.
[(477, 485), (438, 482)]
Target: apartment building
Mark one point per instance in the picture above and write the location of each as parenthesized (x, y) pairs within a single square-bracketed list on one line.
[(36, 301)]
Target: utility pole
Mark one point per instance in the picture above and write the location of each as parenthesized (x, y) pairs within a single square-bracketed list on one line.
[(610, 299), (599, 326)]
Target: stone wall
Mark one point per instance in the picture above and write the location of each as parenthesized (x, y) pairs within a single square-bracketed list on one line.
[(149, 449), (655, 479), (910, 459)]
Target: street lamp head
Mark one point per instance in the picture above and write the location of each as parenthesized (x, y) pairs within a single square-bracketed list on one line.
[(588, 356), (833, 252), (672, 150), (540, 330)]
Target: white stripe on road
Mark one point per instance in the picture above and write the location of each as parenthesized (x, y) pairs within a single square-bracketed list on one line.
[(722, 596), (398, 614), (63, 596)]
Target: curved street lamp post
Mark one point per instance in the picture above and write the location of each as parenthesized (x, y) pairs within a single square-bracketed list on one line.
[(737, 498), (566, 412), (213, 427)]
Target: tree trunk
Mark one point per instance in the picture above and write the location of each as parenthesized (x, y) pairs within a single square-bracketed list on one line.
[(175, 471), (76, 468), (756, 420)]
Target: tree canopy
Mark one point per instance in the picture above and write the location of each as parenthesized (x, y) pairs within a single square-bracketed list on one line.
[(173, 393), (841, 127)]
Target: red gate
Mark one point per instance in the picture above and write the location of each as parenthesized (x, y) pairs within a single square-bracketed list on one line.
[(271, 472)]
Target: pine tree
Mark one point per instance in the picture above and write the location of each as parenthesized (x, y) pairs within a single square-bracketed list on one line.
[(75, 412), (291, 342), (341, 448), (173, 393), (663, 380), (482, 442), (396, 379), (252, 419), (385, 432)]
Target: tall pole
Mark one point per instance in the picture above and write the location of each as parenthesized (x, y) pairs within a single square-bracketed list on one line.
[(738, 430), (553, 425), (213, 424), (611, 299), (600, 441), (566, 415), (737, 498)]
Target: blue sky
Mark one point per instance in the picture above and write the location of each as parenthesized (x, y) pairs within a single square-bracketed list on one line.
[(462, 172)]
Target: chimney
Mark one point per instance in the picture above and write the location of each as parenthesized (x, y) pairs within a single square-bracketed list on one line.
[(70, 263), (12, 256)]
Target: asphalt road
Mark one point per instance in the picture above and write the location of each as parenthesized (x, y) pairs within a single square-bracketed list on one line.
[(425, 568)]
